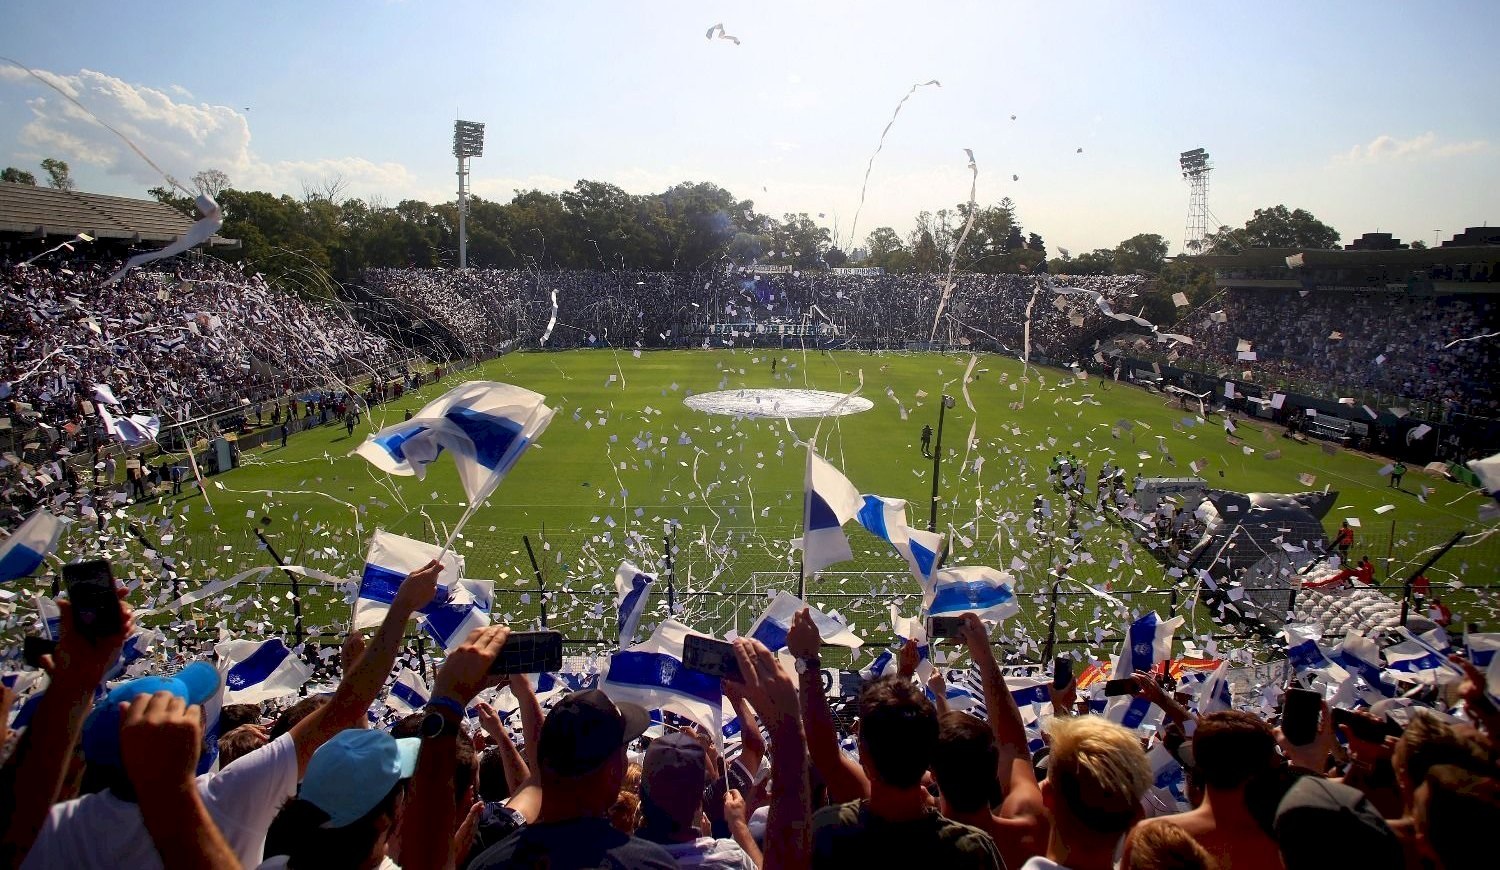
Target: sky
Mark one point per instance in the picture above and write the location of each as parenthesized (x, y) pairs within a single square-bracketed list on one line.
[(1373, 115)]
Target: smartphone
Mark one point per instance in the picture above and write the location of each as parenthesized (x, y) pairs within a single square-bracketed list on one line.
[(711, 656), (91, 591), (1062, 672), (1299, 716), (34, 646), (1363, 728), (945, 626), (530, 652), (1126, 686)]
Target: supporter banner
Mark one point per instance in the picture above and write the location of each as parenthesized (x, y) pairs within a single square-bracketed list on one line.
[(768, 270), (858, 270)]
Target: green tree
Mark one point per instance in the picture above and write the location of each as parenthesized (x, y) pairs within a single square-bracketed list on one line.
[(58, 175), (1100, 261), (1275, 227), (211, 182), (17, 176), (885, 249), (1145, 253), (799, 241)]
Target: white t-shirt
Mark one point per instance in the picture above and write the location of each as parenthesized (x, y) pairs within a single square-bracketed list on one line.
[(708, 852), (102, 831)]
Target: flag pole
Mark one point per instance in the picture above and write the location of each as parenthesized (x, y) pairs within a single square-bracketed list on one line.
[(462, 520), (541, 584)]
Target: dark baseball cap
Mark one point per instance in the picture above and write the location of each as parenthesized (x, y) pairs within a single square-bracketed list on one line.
[(1320, 823), (585, 729), (672, 776)]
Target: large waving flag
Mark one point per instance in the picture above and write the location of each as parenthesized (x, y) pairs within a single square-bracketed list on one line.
[(1423, 657), (971, 589), (449, 622), (392, 557), (485, 425), (23, 552), (1211, 695), (1147, 642), (1307, 657), (651, 674), (261, 670), (1360, 656), (830, 501), (886, 518), (772, 627), (632, 588)]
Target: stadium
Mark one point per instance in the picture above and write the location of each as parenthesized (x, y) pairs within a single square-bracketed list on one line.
[(1263, 466)]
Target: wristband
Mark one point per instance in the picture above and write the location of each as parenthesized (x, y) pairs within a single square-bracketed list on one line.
[(448, 704)]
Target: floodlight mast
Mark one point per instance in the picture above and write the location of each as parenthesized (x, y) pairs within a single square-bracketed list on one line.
[(468, 141), (1195, 170)]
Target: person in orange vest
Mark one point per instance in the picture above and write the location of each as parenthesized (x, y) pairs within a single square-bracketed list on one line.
[(1364, 572), (1344, 540)]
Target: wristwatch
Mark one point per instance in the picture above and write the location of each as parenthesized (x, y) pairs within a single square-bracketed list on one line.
[(441, 719), (808, 664)]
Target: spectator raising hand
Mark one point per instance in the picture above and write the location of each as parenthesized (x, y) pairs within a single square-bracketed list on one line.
[(160, 736)]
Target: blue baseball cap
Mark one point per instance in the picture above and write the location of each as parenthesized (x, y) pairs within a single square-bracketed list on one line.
[(195, 684), (353, 772)]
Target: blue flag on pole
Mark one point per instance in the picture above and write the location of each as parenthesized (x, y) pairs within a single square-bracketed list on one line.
[(261, 670), (632, 589), (23, 552), (886, 518), (1147, 642), (830, 500)]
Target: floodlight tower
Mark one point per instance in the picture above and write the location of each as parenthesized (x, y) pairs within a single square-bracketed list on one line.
[(468, 141), (1195, 170)]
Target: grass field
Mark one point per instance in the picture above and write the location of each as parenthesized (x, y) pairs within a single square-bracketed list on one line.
[(623, 456)]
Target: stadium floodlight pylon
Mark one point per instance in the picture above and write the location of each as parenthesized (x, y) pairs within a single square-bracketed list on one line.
[(1195, 170), (468, 141)]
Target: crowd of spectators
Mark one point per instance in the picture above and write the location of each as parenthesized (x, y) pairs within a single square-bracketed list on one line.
[(1378, 343), (490, 769), (488, 308)]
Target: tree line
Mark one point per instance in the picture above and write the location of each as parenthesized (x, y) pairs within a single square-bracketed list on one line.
[(690, 226)]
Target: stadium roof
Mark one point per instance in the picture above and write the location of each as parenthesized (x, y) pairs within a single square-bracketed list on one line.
[(1414, 258), (39, 211)]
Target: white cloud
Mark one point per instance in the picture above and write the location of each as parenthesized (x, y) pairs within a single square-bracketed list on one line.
[(1386, 147), (180, 136)]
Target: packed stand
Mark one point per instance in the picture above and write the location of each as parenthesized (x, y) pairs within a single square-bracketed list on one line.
[(754, 765), (1392, 344)]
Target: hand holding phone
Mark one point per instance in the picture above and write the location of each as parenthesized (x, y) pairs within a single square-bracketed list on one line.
[(711, 656), (1062, 672), (1125, 686), (944, 626), (1300, 715), (33, 647), (93, 600)]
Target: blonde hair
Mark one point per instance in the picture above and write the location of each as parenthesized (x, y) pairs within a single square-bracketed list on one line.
[(1099, 770), (1159, 844)]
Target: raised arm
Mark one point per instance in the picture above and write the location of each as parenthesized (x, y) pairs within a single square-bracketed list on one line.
[(430, 817), (773, 694), (846, 782), (76, 668), (1023, 798), (516, 769), (526, 799), (160, 736), (752, 743), (362, 683), (939, 687)]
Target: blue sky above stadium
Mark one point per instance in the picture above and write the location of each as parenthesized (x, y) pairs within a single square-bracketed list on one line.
[(1373, 115)]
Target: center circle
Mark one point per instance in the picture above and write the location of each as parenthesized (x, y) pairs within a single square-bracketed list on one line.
[(778, 403)]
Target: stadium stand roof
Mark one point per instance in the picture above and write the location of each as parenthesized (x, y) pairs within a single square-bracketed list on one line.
[(1404, 257), (37, 211)]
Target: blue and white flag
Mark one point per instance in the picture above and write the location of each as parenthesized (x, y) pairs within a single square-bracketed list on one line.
[(905, 628), (651, 674), (1307, 658), (1030, 693), (49, 617), (1212, 695), (971, 589), (772, 627), (1360, 656), (261, 670), (961, 696), (135, 648), (1147, 642), (409, 693), (1168, 781), (468, 608), (632, 589), (485, 425), (1480, 648), (1423, 657), (134, 430), (391, 557), (886, 518), (23, 552), (829, 501)]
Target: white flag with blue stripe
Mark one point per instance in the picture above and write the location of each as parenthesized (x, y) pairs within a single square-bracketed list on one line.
[(1030, 693), (409, 693), (772, 627), (1360, 656), (261, 670), (484, 425), (1147, 642), (886, 518), (449, 622), (1423, 657), (23, 552), (632, 589), (50, 617), (829, 501), (651, 674), (1212, 694), (391, 557), (971, 589), (1307, 657)]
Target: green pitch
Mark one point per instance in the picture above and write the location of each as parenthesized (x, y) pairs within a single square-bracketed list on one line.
[(624, 456)]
